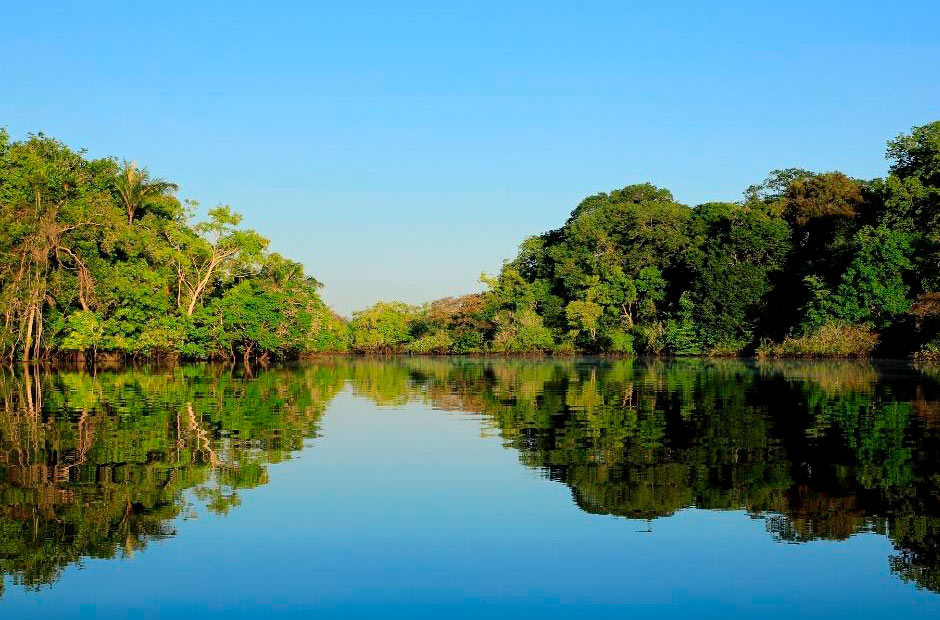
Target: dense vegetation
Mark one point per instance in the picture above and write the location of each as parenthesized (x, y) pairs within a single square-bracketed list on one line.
[(805, 264), (97, 257), (98, 464)]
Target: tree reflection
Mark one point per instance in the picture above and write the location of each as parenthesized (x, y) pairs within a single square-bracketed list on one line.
[(96, 465), (819, 450)]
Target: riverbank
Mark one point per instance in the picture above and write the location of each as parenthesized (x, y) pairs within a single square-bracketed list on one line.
[(100, 258)]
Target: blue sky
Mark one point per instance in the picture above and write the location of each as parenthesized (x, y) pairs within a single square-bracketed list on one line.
[(398, 151)]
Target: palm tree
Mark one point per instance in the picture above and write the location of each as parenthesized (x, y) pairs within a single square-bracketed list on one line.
[(138, 191)]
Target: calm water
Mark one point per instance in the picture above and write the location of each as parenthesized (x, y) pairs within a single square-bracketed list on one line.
[(463, 488)]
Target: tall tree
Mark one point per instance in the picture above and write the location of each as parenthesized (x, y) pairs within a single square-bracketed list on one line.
[(737, 251), (139, 191), (53, 203), (209, 248)]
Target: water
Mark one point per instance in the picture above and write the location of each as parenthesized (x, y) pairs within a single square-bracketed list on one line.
[(420, 487)]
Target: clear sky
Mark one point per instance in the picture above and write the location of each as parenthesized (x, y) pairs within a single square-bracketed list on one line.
[(398, 151)]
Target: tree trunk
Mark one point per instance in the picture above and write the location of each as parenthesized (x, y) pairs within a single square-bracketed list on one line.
[(38, 319), (628, 314), (28, 341), (197, 292)]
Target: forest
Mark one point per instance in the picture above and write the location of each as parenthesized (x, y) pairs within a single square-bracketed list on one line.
[(98, 258)]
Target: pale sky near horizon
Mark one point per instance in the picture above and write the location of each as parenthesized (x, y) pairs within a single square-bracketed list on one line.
[(400, 150)]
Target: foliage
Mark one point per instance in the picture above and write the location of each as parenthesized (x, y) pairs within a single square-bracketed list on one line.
[(584, 316), (819, 263), (814, 261), (681, 331), (436, 343), (100, 258), (873, 289), (383, 328), (83, 331), (138, 192), (738, 251), (828, 340), (930, 352)]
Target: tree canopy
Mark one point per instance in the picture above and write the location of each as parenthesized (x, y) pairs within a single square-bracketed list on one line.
[(805, 264), (99, 258)]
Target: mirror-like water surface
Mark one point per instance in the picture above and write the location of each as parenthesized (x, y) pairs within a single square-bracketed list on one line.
[(341, 487)]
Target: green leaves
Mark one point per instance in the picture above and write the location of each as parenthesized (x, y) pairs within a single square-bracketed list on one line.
[(97, 256), (383, 328), (681, 332), (584, 316), (140, 193), (873, 288), (917, 155), (738, 250), (100, 258), (83, 332)]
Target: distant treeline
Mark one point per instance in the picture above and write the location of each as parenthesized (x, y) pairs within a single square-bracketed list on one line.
[(807, 264), (97, 257)]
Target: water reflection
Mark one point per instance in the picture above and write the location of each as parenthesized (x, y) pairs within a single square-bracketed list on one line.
[(97, 465)]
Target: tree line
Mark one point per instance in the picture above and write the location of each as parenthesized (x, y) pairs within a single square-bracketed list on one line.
[(806, 264), (98, 258)]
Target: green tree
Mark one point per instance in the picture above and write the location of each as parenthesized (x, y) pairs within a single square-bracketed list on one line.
[(83, 331), (584, 316), (909, 199), (211, 249), (382, 328), (682, 332), (738, 251), (96, 259), (54, 205), (139, 192), (873, 288)]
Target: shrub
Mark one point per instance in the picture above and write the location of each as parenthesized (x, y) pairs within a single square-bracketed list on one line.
[(328, 332), (930, 352), (436, 343), (522, 332), (467, 341), (728, 348), (651, 337), (163, 336), (681, 333), (383, 328), (83, 331), (830, 340), (619, 341)]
